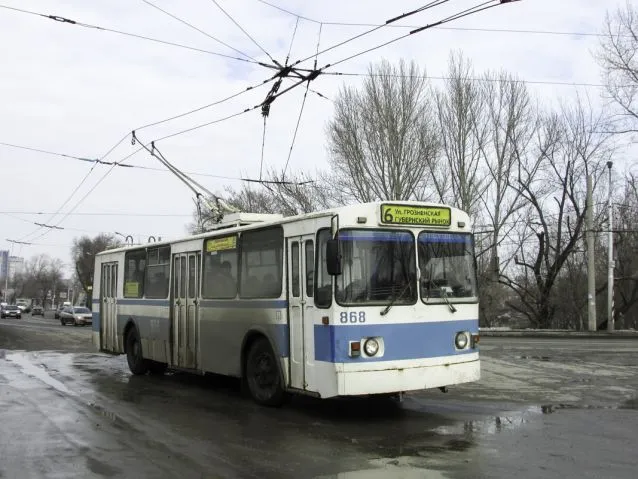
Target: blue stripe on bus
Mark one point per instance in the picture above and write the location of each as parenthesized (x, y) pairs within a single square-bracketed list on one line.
[(445, 238), (209, 303), (401, 341), (245, 303), (96, 321)]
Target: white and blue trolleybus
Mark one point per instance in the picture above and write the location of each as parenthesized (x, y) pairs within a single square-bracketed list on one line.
[(367, 299)]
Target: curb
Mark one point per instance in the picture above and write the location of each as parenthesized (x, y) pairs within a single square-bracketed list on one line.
[(523, 333)]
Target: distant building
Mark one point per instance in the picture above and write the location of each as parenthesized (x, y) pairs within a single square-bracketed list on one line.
[(10, 265), (4, 263), (16, 266)]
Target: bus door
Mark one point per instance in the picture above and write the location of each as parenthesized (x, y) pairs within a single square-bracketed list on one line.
[(108, 307), (185, 308), (301, 310)]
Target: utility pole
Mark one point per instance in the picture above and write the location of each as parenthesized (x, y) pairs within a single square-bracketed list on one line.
[(591, 267), (610, 258)]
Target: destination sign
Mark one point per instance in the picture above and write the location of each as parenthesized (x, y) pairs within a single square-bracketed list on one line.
[(416, 215), (221, 244)]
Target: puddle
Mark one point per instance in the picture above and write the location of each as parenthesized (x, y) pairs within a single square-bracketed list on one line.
[(38, 372), (538, 358), (388, 472)]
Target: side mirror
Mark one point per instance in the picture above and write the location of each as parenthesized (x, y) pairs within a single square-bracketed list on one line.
[(333, 257)]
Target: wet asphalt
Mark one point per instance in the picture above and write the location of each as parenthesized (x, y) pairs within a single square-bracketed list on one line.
[(543, 408)]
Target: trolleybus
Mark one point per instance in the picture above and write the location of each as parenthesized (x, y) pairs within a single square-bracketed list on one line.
[(367, 299)]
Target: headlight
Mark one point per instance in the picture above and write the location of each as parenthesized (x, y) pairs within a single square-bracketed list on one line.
[(371, 347), (461, 340)]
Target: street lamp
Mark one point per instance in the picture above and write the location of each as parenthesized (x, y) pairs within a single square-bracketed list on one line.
[(610, 258)]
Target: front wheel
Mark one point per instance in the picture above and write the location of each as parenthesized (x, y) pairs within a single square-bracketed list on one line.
[(262, 375), (136, 362)]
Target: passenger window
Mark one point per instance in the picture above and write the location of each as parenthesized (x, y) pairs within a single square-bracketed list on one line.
[(310, 268), (261, 263), (294, 261), (192, 286), (219, 276), (158, 272), (182, 278), (323, 286), (134, 269)]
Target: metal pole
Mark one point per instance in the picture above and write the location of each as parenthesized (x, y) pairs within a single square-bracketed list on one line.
[(610, 259), (591, 263)]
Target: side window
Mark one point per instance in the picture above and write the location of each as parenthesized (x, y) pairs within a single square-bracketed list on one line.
[(261, 263), (113, 289), (294, 261), (219, 276), (158, 268), (192, 281), (323, 283), (134, 269), (310, 268)]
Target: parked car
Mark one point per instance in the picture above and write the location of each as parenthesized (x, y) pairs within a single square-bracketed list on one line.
[(37, 311), (76, 315), (10, 311)]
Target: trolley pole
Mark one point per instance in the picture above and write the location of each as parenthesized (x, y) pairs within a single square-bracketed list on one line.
[(610, 258), (591, 266)]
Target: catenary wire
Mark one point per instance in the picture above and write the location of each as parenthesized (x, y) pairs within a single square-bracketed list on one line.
[(243, 30), (217, 102), (199, 30), (411, 27), (134, 35)]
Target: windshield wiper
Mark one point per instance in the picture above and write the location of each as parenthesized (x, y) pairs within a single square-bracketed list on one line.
[(394, 300), (447, 300)]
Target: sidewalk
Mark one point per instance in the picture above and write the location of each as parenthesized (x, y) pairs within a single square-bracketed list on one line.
[(556, 333)]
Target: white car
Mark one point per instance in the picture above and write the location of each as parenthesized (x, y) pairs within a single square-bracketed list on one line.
[(76, 315)]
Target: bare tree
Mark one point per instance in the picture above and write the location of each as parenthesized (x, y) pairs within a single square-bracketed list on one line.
[(382, 137), (83, 253), (626, 247), (41, 276), (464, 129), (616, 56), (511, 121), (569, 145)]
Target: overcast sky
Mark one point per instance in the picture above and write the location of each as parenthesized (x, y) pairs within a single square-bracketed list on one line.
[(78, 91)]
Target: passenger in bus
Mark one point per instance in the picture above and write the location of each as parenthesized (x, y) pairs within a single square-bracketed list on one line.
[(224, 284)]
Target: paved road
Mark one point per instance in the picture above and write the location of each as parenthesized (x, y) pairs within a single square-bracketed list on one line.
[(543, 408)]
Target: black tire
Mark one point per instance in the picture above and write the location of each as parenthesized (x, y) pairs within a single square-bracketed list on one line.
[(62, 322), (156, 368), (263, 376), (136, 362)]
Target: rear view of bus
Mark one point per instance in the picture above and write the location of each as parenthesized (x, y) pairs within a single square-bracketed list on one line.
[(404, 302)]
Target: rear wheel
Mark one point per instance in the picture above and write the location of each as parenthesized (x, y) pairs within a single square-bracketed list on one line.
[(262, 374), (157, 368), (136, 362)]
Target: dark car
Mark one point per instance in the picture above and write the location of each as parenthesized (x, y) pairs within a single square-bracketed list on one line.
[(76, 315), (37, 310), (10, 311)]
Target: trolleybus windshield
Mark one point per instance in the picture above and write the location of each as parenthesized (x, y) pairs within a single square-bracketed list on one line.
[(446, 261), (378, 266)]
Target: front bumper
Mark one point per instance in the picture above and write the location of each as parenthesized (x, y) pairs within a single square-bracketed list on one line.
[(357, 383)]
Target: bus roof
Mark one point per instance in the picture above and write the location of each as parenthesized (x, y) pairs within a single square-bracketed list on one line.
[(253, 221)]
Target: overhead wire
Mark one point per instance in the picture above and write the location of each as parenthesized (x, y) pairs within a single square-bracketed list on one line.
[(208, 105), (372, 30), (442, 77), (199, 30), (470, 11), (303, 103), (469, 29), (119, 163), (134, 35), (245, 32)]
